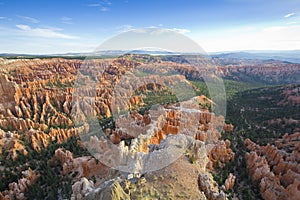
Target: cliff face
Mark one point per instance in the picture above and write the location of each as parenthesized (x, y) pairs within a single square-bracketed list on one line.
[(276, 167), (264, 72), (267, 72)]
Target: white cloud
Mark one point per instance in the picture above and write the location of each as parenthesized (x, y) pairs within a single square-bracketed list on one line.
[(128, 27), (66, 20), (29, 19), (43, 32), (3, 18), (151, 26), (180, 30), (103, 5), (164, 30), (289, 15), (23, 27), (15, 40), (268, 38)]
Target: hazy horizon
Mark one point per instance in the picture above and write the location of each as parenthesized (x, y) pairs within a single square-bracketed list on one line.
[(250, 51)]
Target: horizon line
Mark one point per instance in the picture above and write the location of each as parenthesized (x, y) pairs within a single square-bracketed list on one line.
[(170, 52)]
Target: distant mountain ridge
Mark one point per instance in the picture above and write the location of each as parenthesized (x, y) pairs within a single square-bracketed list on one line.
[(289, 56)]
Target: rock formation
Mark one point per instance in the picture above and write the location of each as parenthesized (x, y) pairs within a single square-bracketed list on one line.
[(17, 189), (228, 127), (221, 153), (82, 166), (12, 144), (210, 187), (229, 182), (276, 167)]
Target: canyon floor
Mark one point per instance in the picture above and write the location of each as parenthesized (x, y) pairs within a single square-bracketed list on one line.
[(149, 127)]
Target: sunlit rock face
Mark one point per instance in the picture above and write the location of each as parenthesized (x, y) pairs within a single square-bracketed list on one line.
[(276, 167)]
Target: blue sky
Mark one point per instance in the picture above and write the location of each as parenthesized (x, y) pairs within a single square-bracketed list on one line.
[(60, 26)]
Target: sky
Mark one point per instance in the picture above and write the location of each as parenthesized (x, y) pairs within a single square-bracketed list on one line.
[(65, 26)]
